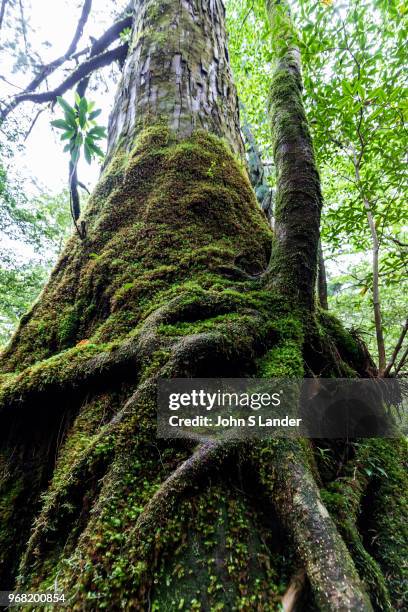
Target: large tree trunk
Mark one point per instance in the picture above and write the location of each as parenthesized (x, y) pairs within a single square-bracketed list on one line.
[(168, 283)]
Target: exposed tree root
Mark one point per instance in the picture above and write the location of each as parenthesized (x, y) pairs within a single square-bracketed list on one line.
[(80, 367), (328, 564), (344, 498), (208, 457), (96, 472), (293, 594)]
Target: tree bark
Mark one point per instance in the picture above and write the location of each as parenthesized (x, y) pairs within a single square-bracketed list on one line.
[(298, 197), (259, 181), (321, 279), (189, 84)]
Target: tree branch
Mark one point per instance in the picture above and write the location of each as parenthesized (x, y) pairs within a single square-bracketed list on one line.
[(2, 11), (23, 27), (335, 582), (34, 121), (52, 66), (85, 69), (402, 361), (94, 50), (396, 349), (106, 39), (101, 44), (403, 245)]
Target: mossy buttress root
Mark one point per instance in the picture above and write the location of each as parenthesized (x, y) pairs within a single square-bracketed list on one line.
[(167, 216), (151, 294)]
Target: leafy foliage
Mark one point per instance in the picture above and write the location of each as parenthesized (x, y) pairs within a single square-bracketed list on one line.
[(34, 241), (126, 35), (80, 128), (355, 95), (350, 299)]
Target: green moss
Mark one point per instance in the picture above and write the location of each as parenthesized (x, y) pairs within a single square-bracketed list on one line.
[(386, 514), (68, 326), (350, 350), (224, 562), (10, 490), (183, 328), (373, 519), (285, 358), (149, 231), (188, 250), (282, 361), (55, 370)]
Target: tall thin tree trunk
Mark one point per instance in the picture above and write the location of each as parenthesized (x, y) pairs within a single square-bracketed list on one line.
[(298, 197), (379, 332), (321, 279)]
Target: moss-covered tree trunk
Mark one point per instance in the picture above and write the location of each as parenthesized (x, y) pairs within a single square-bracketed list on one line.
[(169, 282)]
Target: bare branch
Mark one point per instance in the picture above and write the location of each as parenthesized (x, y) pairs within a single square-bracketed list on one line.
[(85, 69), (23, 26), (2, 11), (84, 187), (34, 121), (404, 245), (52, 66), (10, 83), (98, 46), (106, 39), (396, 349), (101, 44), (402, 361)]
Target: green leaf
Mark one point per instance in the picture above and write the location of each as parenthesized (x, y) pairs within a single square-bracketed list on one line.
[(94, 114), (71, 119), (97, 132), (61, 124), (67, 107), (87, 152), (96, 149), (82, 111), (68, 135)]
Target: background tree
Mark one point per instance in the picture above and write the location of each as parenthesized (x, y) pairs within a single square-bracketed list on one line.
[(172, 280), (355, 97), (35, 236)]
